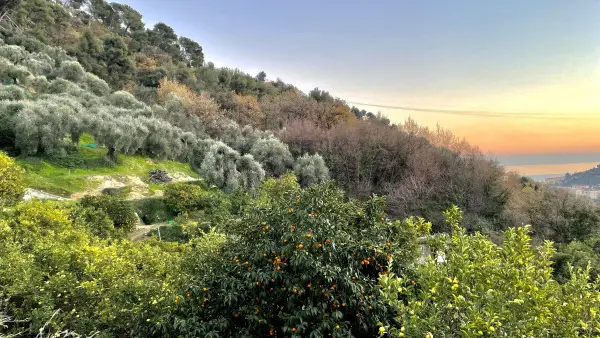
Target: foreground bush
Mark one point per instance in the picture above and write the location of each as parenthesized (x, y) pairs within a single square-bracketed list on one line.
[(53, 268), (120, 213), (306, 266), (482, 289), (11, 181)]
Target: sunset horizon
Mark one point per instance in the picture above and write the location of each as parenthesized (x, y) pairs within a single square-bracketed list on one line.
[(532, 68)]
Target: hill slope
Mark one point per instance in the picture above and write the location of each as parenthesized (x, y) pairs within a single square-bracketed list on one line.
[(589, 177)]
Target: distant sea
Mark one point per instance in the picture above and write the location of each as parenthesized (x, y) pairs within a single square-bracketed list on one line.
[(542, 166)]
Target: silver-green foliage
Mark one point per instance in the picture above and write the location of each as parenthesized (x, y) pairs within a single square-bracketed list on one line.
[(12, 93), (273, 154), (252, 173), (11, 73), (311, 169), (72, 71), (123, 99), (219, 166), (96, 85), (14, 54), (225, 153)]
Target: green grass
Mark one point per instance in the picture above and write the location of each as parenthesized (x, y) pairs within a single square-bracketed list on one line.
[(68, 174)]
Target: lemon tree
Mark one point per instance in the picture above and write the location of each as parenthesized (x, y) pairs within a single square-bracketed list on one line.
[(11, 181), (488, 290)]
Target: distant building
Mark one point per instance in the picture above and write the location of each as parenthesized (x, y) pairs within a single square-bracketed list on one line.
[(554, 180)]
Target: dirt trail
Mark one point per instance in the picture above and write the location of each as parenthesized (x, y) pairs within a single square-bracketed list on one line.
[(139, 188), (141, 232)]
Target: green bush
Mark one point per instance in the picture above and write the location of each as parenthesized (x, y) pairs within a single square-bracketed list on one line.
[(481, 289), (579, 255), (171, 233), (11, 181), (182, 197), (153, 210), (119, 211), (122, 192), (307, 266), (54, 271), (13, 93)]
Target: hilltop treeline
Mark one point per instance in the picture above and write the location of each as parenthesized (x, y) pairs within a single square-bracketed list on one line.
[(364, 152)]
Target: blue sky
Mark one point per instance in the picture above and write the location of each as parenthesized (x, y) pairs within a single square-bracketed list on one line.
[(514, 56)]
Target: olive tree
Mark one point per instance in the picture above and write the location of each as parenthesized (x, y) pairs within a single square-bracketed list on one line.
[(219, 166), (311, 169), (251, 172), (124, 99), (71, 70), (273, 154)]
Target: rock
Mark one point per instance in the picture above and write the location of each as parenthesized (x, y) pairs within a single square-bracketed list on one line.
[(159, 176)]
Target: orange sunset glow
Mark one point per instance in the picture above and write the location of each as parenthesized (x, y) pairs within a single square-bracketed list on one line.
[(560, 117)]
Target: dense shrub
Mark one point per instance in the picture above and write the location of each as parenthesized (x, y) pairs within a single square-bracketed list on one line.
[(153, 210), (121, 213), (311, 169), (55, 275), (12, 93), (299, 268), (482, 289), (122, 192), (183, 197), (11, 181), (577, 254), (273, 154), (72, 71)]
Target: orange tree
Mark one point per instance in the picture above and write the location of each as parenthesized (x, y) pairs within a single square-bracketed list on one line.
[(305, 265)]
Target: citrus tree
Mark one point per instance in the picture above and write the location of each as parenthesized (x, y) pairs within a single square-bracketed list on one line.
[(305, 265), (481, 289), (55, 274), (11, 181)]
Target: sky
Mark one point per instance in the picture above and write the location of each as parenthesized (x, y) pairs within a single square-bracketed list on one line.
[(532, 67)]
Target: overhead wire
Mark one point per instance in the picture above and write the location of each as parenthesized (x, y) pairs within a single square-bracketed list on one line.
[(481, 113)]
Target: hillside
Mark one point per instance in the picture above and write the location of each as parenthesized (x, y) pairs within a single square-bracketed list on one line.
[(171, 82), (589, 177), (288, 214)]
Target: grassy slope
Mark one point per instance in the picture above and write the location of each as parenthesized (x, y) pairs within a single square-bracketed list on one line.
[(67, 175)]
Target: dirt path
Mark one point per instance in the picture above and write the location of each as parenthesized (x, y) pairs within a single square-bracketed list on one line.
[(142, 231), (33, 193)]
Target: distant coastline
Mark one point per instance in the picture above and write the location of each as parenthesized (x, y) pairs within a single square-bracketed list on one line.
[(543, 171)]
